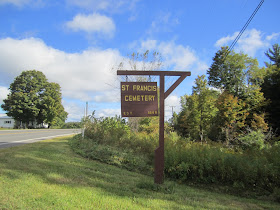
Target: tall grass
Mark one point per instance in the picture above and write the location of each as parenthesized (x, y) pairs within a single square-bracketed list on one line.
[(48, 175), (110, 140)]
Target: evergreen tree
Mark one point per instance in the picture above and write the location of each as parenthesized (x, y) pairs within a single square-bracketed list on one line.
[(271, 90), (274, 55)]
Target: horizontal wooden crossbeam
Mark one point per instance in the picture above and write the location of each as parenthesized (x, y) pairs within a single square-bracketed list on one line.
[(165, 73)]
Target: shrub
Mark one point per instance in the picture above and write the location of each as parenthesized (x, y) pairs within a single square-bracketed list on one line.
[(110, 140), (252, 140)]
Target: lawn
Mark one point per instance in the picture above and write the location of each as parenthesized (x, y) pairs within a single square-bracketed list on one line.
[(48, 175)]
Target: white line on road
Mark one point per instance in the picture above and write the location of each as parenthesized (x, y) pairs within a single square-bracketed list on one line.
[(42, 138)]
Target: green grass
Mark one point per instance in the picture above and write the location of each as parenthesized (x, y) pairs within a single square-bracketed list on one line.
[(48, 175)]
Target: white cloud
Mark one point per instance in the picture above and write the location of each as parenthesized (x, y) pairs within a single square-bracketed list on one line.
[(250, 42), (226, 40), (79, 74), (75, 111), (108, 112), (109, 96), (93, 23), (176, 57), (164, 22), (3, 93), (172, 103), (272, 36)]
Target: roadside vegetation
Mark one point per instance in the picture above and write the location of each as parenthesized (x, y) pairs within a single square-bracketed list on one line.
[(48, 175), (225, 140), (226, 134), (245, 172)]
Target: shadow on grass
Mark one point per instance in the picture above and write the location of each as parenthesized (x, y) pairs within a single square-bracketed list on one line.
[(54, 163)]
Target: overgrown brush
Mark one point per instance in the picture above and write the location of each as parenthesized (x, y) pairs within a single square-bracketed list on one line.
[(110, 140), (258, 170)]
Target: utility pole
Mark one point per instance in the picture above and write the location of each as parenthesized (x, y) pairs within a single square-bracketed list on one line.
[(86, 109), (85, 116), (172, 109)]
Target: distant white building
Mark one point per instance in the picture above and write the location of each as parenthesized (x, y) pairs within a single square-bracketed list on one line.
[(6, 122), (9, 122)]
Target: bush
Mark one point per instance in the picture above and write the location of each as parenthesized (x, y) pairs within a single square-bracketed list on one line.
[(106, 130), (254, 140), (110, 140), (123, 158), (202, 163)]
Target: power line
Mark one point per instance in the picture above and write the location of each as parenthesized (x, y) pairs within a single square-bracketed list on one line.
[(244, 28)]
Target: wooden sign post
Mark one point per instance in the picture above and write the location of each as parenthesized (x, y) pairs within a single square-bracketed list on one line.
[(159, 152)]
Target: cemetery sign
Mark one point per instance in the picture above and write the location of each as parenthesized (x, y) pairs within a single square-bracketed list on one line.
[(139, 99)]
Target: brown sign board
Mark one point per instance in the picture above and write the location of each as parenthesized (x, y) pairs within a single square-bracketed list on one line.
[(139, 99)]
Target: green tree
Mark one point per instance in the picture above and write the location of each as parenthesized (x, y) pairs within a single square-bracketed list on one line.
[(32, 98), (206, 105), (231, 116), (255, 104), (51, 109), (239, 75), (271, 90), (198, 110), (273, 55), (232, 72)]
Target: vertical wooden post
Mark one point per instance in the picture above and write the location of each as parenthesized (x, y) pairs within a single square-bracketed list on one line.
[(159, 152)]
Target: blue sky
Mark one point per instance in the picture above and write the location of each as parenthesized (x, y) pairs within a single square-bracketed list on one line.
[(79, 43)]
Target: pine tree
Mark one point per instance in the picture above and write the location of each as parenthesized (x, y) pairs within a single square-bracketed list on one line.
[(274, 55)]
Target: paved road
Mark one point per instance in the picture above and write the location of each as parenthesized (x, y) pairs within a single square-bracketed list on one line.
[(10, 138)]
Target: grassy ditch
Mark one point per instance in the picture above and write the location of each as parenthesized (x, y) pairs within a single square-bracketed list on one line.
[(49, 175)]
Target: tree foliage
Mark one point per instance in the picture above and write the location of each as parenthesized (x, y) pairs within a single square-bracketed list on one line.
[(271, 90), (248, 97), (232, 72), (198, 111), (273, 55), (231, 115), (33, 98)]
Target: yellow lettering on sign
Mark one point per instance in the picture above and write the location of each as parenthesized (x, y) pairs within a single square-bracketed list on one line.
[(127, 113), (125, 87), (144, 88), (139, 98), (152, 112)]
